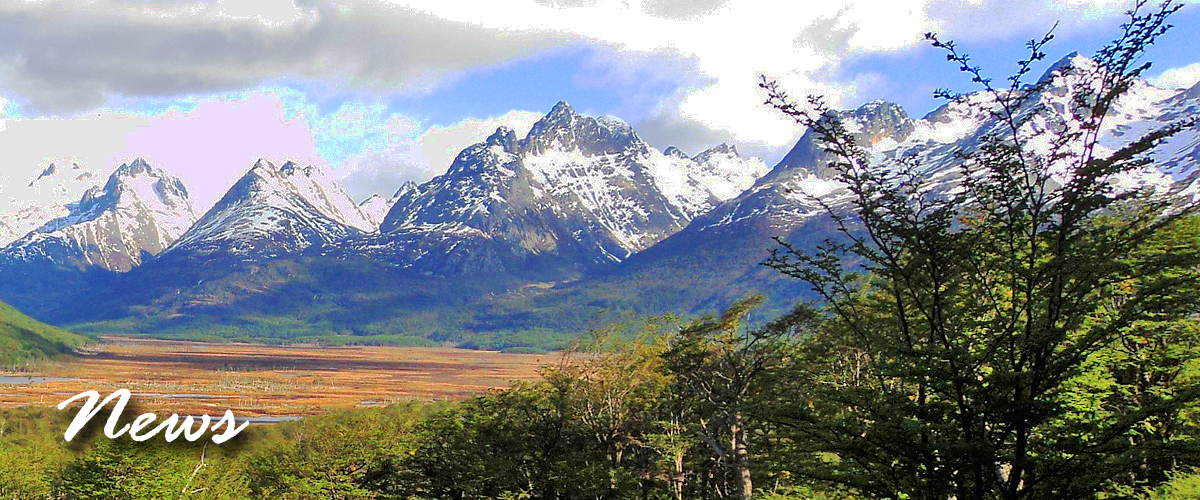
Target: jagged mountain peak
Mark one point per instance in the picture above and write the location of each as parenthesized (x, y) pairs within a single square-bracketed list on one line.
[(614, 124), (562, 109), (277, 210), (405, 188), (871, 123), (291, 168), (288, 168), (290, 173), (137, 182), (91, 195), (138, 212), (674, 152), (137, 168), (265, 167), (49, 170), (723, 148), (878, 109), (51, 193), (1070, 62), (504, 137), (138, 164), (577, 190), (562, 129), (887, 133)]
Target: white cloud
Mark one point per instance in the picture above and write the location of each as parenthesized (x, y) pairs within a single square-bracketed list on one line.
[(76, 56), (64, 57), (726, 45), (209, 147), (215, 142), (1178, 78), (412, 153)]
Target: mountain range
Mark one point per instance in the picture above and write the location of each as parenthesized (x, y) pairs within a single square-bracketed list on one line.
[(522, 239), (576, 194)]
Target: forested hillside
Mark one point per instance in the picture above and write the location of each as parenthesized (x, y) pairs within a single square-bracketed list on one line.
[(23, 338)]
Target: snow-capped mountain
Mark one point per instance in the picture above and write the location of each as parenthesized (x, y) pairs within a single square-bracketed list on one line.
[(785, 195), (138, 213), (375, 207), (580, 190), (27, 203), (578, 197), (735, 236), (274, 211)]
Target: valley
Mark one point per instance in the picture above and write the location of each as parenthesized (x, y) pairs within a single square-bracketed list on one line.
[(773, 251), (265, 382), (618, 226)]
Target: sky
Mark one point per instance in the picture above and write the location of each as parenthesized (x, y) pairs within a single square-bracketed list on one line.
[(387, 91)]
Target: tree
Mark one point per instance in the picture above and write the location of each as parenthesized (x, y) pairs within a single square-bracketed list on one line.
[(960, 315), (722, 371), (1152, 362), (349, 454), (614, 388)]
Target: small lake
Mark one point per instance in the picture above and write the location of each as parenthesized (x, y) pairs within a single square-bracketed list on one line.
[(266, 420), (32, 380), (189, 396)]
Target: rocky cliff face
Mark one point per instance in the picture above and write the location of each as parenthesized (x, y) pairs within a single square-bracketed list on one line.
[(577, 191)]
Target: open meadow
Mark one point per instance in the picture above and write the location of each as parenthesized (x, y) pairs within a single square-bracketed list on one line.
[(265, 381)]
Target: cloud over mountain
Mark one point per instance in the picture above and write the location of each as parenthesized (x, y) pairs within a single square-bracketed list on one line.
[(66, 57)]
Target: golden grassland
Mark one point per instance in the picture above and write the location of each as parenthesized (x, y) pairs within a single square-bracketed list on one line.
[(264, 381)]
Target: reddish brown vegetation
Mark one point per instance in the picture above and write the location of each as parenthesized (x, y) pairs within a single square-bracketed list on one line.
[(257, 380)]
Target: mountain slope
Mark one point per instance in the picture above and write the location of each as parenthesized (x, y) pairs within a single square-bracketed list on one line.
[(27, 205), (22, 338), (715, 260), (138, 213), (376, 208), (539, 236), (576, 193), (274, 211)]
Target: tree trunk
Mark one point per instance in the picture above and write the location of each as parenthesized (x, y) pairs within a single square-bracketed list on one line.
[(740, 458), (677, 478)]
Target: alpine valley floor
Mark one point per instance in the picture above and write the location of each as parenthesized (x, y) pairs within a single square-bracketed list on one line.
[(265, 381)]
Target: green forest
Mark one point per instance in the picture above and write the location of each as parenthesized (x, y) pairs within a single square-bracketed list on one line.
[(23, 338), (1032, 333)]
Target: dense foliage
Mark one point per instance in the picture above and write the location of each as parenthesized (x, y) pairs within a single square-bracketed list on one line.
[(706, 410), (1023, 332)]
